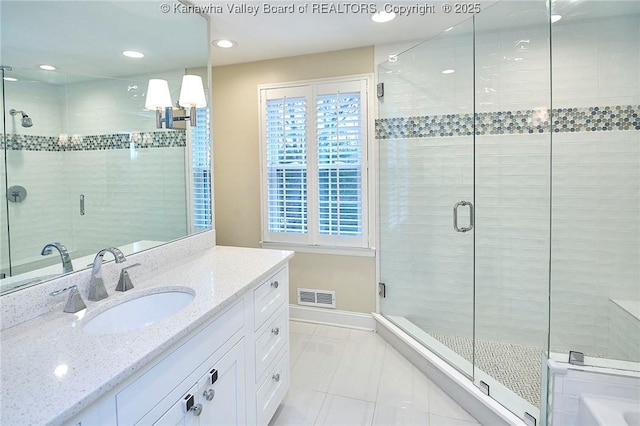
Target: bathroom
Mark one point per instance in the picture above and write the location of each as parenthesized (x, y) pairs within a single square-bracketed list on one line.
[(548, 182)]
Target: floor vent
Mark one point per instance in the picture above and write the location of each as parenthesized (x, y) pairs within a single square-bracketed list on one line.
[(317, 298)]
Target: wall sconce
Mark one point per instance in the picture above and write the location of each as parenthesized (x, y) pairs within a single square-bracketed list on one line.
[(159, 98)]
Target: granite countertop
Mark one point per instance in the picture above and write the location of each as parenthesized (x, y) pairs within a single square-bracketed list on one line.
[(49, 272), (51, 369)]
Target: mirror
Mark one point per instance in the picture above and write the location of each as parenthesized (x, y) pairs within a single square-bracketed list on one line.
[(84, 164)]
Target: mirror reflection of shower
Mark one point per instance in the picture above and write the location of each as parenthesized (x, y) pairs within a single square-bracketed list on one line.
[(26, 120)]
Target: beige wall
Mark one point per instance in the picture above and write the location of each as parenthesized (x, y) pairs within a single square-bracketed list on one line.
[(237, 168)]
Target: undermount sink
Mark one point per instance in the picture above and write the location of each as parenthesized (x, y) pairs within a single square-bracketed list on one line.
[(139, 312)]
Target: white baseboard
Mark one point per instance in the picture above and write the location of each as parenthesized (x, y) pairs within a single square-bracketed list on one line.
[(332, 317)]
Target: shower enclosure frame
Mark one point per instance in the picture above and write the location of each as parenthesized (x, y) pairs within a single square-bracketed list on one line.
[(559, 120), (5, 176)]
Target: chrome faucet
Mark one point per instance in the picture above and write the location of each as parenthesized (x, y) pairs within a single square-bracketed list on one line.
[(96, 285), (74, 302), (67, 266), (124, 283)]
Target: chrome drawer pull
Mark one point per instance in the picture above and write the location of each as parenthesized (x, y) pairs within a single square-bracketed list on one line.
[(209, 394), (276, 331), (276, 377), (274, 284), (196, 410)]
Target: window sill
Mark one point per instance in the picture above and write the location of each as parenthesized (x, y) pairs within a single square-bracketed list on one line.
[(337, 251)]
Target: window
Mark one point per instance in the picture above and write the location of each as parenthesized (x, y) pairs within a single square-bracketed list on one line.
[(201, 166), (314, 163)]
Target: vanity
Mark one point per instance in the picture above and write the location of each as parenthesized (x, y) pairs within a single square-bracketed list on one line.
[(221, 359)]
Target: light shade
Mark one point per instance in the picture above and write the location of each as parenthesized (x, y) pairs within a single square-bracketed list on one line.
[(158, 95), (192, 92)]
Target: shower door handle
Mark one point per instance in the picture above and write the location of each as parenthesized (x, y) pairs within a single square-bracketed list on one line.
[(455, 216)]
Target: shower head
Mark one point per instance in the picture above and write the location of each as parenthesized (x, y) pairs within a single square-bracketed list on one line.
[(26, 120)]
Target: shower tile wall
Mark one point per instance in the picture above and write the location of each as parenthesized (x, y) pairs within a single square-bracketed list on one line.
[(75, 106), (428, 268), (512, 182), (511, 194), (596, 204), (130, 195), (40, 101), (596, 185), (114, 105), (138, 189)]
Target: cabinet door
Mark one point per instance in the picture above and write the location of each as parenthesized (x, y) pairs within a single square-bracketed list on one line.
[(223, 401), (177, 415)]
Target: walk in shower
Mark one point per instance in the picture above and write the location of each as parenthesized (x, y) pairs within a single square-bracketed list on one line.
[(509, 192)]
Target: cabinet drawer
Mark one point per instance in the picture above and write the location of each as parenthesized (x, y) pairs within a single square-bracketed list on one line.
[(268, 297), (271, 342), (273, 390), (134, 401)]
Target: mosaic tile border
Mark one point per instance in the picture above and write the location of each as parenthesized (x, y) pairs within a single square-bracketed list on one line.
[(142, 140), (565, 120)]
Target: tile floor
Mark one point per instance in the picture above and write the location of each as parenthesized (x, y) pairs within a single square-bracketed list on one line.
[(341, 376)]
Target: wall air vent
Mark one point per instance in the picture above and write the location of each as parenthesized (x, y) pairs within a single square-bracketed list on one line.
[(317, 298)]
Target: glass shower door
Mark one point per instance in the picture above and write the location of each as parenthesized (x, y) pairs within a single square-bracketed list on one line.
[(465, 125), (5, 258), (425, 137), (512, 192)]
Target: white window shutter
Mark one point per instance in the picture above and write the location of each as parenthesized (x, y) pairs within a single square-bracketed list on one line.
[(201, 165), (286, 164), (339, 144), (314, 144)]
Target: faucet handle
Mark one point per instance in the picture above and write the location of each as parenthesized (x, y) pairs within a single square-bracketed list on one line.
[(124, 283), (74, 302)]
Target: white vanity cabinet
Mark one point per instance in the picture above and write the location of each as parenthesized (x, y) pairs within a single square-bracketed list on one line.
[(234, 370), (270, 354), (217, 399)]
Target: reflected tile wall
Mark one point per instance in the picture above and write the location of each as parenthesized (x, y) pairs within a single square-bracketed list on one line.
[(133, 184)]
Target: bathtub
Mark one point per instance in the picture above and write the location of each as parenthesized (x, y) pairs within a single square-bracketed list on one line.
[(598, 410)]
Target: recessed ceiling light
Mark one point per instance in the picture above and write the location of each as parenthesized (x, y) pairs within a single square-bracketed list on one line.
[(555, 18), (448, 71), (382, 16), (448, 29), (9, 79), (133, 54), (48, 67), (225, 44)]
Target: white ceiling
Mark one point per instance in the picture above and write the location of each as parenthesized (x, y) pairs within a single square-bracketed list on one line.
[(87, 37), (267, 36)]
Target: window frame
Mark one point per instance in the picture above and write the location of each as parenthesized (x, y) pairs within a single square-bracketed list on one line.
[(312, 241)]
